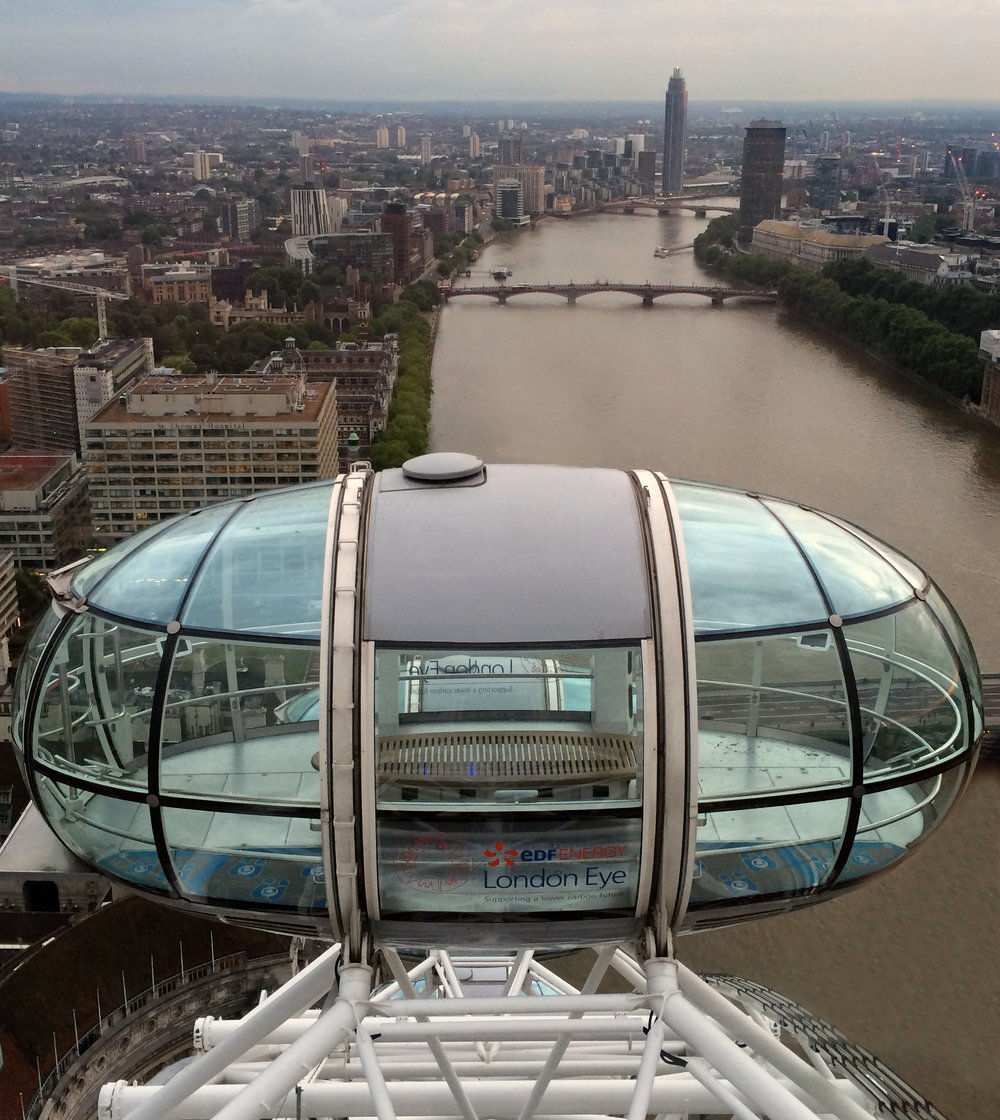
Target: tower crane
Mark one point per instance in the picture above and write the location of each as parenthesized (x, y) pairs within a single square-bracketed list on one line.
[(100, 295)]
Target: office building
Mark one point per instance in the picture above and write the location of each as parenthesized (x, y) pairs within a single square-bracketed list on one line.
[(674, 134), (310, 212), (106, 370), (241, 218), (381, 137), (44, 519), (177, 443), (810, 244), (763, 165), (824, 187), (425, 147)]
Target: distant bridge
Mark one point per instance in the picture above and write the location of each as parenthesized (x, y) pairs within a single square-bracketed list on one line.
[(646, 292), (663, 205)]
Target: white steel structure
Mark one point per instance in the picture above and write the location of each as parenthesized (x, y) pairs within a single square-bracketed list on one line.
[(474, 726)]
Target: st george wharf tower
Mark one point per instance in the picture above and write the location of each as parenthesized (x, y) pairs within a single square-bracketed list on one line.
[(674, 134)]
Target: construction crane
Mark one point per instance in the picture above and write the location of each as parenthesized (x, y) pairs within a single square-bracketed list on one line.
[(100, 295), (968, 197)]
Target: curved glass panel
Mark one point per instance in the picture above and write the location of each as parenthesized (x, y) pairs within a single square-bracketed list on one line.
[(894, 821), (772, 716), (745, 571), (245, 860), (764, 851), (224, 732), (912, 705), (150, 582), (916, 576), (945, 613), (855, 577), (26, 672), (93, 572), (93, 718), (108, 832), (264, 572)]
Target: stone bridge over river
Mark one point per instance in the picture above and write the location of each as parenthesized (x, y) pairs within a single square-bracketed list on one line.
[(646, 292)]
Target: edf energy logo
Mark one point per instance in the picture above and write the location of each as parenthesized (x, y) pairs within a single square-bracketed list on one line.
[(587, 872), (500, 853)]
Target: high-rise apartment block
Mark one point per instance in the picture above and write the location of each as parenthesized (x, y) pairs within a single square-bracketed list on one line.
[(532, 180), (241, 218), (763, 166), (42, 395), (135, 148), (381, 137), (425, 148), (511, 150), (202, 165), (54, 391), (509, 201), (400, 137), (178, 443), (310, 212), (474, 145), (674, 134)]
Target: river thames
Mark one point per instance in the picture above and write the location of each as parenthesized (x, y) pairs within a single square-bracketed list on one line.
[(745, 395)]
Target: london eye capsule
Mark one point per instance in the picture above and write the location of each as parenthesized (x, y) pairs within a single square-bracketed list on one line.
[(469, 705)]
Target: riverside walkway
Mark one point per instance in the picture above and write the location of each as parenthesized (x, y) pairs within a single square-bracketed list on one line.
[(646, 292)]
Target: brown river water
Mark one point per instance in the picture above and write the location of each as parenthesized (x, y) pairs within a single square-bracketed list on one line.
[(746, 395)]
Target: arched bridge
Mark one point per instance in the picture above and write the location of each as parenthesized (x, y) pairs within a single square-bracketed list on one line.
[(662, 205), (646, 292)]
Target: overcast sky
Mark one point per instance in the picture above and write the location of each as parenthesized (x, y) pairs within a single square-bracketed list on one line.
[(503, 49)]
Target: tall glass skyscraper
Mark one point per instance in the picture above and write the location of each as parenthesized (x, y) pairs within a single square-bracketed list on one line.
[(674, 134)]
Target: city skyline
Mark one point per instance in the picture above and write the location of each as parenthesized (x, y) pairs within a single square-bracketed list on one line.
[(762, 49)]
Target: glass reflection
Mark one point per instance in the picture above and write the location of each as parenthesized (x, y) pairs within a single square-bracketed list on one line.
[(855, 577), (772, 715), (227, 726), (265, 572), (149, 583), (518, 726), (246, 860), (908, 686), (106, 831), (893, 821), (745, 570), (769, 850)]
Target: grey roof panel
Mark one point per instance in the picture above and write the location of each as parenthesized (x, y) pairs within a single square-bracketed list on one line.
[(533, 554)]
